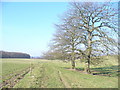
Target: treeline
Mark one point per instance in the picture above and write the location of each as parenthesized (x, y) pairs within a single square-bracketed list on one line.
[(86, 31), (4, 54)]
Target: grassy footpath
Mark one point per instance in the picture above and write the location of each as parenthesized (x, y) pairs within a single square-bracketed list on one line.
[(54, 74)]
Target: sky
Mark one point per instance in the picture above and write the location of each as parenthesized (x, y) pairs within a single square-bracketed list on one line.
[(58, 0), (29, 26)]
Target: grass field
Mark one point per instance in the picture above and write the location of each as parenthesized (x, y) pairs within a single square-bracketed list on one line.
[(36, 73)]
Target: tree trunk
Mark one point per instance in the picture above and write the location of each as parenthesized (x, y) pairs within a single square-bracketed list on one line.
[(89, 53), (87, 66), (73, 59), (73, 64), (87, 69), (73, 53)]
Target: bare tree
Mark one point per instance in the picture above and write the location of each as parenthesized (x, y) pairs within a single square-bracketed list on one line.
[(87, 29), (99, 23), (67, 38)]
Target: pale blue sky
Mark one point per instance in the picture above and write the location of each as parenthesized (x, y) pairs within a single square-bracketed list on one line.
[(28, 26)]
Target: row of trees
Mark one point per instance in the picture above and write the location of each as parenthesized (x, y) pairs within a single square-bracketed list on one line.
[(87, 31), (4, 54)]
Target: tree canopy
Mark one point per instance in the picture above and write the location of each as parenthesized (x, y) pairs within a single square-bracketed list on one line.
[(87, 30)]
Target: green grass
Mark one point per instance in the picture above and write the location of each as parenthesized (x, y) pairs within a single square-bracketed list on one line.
[(55, 74), (46, 75), (80, 80), (11, 67)]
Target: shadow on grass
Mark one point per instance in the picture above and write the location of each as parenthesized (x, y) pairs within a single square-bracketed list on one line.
[(111, 71)]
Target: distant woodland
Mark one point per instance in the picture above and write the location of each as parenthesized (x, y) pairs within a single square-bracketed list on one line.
[(4, 54)]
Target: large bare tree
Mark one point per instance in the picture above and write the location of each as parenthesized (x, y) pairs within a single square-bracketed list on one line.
[(99, 23), (87, 29), (67, 38)]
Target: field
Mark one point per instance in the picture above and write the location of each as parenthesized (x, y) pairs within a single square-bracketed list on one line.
[(36, 73)]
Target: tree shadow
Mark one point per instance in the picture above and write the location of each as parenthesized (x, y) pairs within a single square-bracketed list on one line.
[(111, 71)]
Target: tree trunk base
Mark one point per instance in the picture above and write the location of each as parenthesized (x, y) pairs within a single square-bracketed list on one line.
[(73, 67), (87, 71)]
